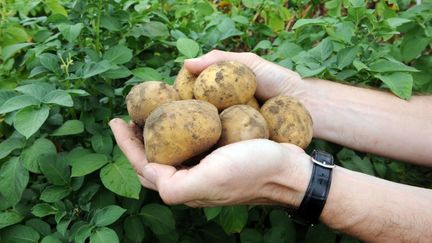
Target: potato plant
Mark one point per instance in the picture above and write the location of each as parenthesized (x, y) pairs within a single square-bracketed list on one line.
[(67, 66)]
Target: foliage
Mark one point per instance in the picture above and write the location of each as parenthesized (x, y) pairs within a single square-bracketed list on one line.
[(65, 69)]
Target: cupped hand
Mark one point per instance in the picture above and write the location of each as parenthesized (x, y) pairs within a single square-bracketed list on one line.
[(272, 79), (256, 171)]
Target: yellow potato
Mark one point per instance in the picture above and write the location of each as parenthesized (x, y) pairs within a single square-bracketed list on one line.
[(253, 103), (145, 97), (225, 84), (288, 121), (179, 130), (242, 122), (184, 84)]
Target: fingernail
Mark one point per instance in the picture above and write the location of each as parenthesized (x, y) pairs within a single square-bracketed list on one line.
[(112, 121), (150, 173)]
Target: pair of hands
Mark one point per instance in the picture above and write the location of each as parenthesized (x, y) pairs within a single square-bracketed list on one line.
[(256, 171)]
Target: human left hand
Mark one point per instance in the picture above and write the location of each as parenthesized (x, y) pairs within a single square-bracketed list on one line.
[(256, 171)]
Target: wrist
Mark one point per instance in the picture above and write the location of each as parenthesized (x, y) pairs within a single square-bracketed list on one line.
[(289, 185)]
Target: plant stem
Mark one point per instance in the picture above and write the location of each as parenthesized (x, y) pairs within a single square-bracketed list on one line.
[(97, 26)]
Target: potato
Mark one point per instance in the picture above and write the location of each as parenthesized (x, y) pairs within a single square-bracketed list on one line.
[(242, 122), (288, 121), (145, 97), (253, 103), (184, 84), (179, 130), (225, 84)]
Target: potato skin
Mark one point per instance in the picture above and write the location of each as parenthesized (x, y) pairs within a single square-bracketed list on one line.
[(145, 97), (184, 84), (288, 121), (225, 84), (242, 122), (179, 130), (253, 103)]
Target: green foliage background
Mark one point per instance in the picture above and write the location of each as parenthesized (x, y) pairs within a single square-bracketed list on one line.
[(66, 66)]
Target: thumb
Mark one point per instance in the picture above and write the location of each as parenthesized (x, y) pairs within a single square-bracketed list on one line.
[(196, 65), (174, 186)]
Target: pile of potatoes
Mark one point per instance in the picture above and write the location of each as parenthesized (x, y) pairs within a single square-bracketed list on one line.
[(215, 108)]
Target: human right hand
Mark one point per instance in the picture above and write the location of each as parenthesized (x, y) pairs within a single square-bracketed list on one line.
[(272, 79)]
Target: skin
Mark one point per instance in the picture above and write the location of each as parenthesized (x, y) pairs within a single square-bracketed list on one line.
[(362, 119)]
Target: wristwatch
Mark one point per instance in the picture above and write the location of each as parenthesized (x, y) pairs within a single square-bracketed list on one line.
[(317, 191)]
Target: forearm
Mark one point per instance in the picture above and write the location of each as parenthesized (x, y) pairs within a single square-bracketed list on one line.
[(375, 210), (371, 121)]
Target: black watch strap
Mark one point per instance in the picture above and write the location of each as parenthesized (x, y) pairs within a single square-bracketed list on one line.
[(316, 194)]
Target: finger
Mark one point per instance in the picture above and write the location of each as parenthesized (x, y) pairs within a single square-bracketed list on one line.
[(146, 183), (128, 142), (196, 65), (293, 147), (175, 187)]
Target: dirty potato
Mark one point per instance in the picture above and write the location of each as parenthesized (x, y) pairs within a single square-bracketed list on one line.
[(253, 103), (242, 122), (184, 84), (288, 121), (225, 84), (145, 97), (179, 130)]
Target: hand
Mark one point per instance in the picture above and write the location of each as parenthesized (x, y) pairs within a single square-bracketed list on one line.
[(256, 171), (272, 79)]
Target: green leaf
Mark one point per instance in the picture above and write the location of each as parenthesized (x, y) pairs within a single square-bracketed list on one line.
[(31, 155), (107, 215), (70, 32), (346, 56), (323, 50), (94, 68), (359, 65), (10, 218), (413, 46), (187, 47), (383, 66), (251, 236), (121, 72), (159, 218), (399, 83), (397, 21), (9, 145), (55, 169), (87, 164), (104, 235), (212, 213), (154, 29), (9, 51), (251, 3), (233, 218), (51, 239), (30, 119), (134, 229), (20, 234), (120, 178), (145, 74), (13, 180), (55, 193), (70, 127), (110, 23), (39, 225), (43, 209), (308, 72), (305, 22), (349, 159), (58, 97), (263, 45), (18, 102), (83, 232), (56, 7), (37, 90), (118, 54), (102, 144), (50, 62)]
